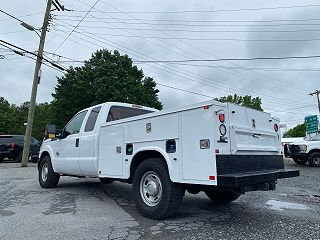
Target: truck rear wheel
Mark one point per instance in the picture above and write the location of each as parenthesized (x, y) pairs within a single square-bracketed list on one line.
[(222, 196), (47, 177), (155, 195), (300, 161), (314, 159)]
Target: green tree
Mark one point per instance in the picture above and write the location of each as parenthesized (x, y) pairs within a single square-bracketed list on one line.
[(7, 116), (12, 118), (297, 131), (106, 76), (247, 101)]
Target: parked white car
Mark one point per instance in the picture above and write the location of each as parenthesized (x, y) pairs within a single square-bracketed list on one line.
[(219, 148)]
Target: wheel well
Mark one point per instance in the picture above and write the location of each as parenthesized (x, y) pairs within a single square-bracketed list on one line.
[(41, 157), (313, 150), (140, 157)]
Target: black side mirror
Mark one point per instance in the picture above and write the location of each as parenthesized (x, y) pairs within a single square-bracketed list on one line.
[(50, 131)]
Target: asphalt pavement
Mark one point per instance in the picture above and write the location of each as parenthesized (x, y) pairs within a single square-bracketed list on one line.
[(87, 209)]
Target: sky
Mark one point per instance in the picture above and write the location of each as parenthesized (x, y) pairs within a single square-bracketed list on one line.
[(178, 30)]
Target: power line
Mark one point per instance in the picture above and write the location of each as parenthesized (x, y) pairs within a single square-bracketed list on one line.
[(77, 25), (228, 59), (23, 51), (204, 25), (176, 71), (27, 15), (196, 21), (183, 70), (196, 47), (11, 16), (218, 10)]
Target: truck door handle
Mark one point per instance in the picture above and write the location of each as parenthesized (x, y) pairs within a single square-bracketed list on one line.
[(77, 142), (256, 135)]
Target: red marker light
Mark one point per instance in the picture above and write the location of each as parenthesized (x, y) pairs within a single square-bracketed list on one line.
[(212, 178), (12, 146), (206, 107), (221, 117)]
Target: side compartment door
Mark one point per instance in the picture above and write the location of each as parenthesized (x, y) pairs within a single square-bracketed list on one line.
[(111, 151), (67, 154)]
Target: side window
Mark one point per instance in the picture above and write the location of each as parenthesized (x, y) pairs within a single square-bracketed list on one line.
[(92, 119), (75, 123), (119, 112)]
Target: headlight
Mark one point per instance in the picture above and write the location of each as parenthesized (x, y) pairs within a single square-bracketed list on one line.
[(303, 148)]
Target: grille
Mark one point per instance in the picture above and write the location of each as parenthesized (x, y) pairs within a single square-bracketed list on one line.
[(230, 164), (294, 149)]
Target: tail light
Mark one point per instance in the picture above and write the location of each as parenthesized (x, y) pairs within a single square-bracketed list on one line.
[(12, 146), (221, 117), (276, 127)]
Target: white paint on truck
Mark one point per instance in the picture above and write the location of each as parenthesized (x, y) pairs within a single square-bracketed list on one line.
[(231, 148)]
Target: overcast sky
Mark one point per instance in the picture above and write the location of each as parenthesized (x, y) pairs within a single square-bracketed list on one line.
[(167, 30)]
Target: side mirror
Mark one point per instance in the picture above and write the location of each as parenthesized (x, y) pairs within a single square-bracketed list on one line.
[(50, 131)]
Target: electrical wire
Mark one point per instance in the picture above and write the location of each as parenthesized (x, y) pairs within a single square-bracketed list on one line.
[(76, 26)]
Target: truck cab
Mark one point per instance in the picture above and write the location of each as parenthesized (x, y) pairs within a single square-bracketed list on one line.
[(75, 150)]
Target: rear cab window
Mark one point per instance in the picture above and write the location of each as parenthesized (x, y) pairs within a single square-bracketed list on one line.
[(92, 119), (120, 112)]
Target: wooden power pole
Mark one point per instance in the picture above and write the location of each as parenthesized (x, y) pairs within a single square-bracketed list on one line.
[(35, 83), (317, 92)]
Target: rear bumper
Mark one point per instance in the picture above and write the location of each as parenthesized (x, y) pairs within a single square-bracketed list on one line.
[(254, 178)]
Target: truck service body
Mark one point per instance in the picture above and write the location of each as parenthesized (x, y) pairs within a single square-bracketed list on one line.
[(219, 148)]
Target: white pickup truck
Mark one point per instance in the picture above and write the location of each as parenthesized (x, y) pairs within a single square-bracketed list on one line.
[(305, 150), (222, 149)]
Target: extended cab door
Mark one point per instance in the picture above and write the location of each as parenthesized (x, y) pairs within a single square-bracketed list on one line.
[(67, 154), (88, 142)]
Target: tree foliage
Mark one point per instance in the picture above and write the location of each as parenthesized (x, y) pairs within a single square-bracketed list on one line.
[(247, 101), (297, 131), (105, 77), (13, 118)]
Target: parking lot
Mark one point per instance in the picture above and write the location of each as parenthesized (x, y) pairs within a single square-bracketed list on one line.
[(87, 209)]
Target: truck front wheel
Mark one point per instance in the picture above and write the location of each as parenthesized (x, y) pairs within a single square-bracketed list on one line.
[(300, 161), (223, 197), (47, 177), (155, 195), (314, 159)]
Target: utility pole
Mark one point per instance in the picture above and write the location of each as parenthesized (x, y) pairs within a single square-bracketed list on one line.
[(317, 92), (35, 83)]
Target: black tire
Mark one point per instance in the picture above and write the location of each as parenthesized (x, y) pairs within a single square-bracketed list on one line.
[(18, 158), (170, 194), (52, 178), (222, 197), (314, 159), (300, 161), (106, 180)]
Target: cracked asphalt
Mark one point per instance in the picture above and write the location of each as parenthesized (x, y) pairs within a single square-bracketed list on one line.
[(87, 209)]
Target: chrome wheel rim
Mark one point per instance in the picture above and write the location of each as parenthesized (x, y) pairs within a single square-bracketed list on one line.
[(44, 172), (316, 160), (150, 188)]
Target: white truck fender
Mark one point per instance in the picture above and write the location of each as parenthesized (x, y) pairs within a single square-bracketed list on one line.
[(173, 177), (48, 149)]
